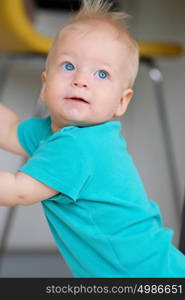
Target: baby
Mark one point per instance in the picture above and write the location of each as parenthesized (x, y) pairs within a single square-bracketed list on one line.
[(78, 166)]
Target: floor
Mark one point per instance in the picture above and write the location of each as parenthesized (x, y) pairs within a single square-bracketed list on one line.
[(22, 264)]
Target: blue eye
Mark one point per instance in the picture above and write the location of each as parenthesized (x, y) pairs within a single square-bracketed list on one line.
[(102, 74), (68, 66)]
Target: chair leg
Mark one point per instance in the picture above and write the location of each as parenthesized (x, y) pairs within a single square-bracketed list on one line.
[(182, 232), (5, 67), (40, 110), (6, 232), (157, 79)]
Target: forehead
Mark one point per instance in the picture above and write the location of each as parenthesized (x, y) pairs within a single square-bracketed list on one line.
[(87, 40)]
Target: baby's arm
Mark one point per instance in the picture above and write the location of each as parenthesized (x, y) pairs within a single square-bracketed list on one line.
[(8, 131), (19, 188), (22, 189)]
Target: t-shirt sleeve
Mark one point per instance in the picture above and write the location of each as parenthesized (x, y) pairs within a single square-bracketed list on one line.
[(30, 132), (60, 163)]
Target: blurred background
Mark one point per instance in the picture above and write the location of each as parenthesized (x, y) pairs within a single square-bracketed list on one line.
[(30, 249)]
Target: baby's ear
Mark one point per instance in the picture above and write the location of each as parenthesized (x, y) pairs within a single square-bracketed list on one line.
[(124, 102), (42, 92)]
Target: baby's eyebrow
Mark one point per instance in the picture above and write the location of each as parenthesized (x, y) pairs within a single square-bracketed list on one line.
[(107, 66), (60, 55)]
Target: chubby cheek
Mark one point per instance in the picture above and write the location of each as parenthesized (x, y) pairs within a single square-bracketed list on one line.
[(54, 90), (109, 99), (103, 111)]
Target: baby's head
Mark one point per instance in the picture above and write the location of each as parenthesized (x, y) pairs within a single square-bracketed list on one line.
[(91, 68)]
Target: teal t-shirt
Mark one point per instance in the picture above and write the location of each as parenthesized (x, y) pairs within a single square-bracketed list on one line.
[(101, 220)]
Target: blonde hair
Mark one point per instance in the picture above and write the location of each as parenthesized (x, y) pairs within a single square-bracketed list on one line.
[(101, 10)]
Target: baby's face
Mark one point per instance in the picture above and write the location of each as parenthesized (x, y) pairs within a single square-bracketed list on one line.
[(86, 80)]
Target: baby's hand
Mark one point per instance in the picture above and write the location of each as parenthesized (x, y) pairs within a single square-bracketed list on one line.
[(8, 131)]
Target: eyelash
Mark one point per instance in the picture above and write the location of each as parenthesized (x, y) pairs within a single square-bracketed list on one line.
[(72, 67)]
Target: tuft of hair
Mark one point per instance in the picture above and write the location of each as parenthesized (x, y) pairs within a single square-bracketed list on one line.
[(100, 9)]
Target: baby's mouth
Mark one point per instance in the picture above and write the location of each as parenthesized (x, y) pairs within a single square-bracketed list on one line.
[(76, 99)]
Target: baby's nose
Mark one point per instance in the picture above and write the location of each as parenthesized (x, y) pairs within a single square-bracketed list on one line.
[(79, 84), (80, 81)]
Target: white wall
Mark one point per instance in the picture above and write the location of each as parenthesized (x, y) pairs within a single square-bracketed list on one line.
[(156, 20)]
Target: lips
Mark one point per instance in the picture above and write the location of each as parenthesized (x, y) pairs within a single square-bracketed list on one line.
[(77, 99)]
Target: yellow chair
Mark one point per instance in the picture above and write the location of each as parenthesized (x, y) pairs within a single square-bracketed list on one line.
[(160, 49), (18, 35)]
